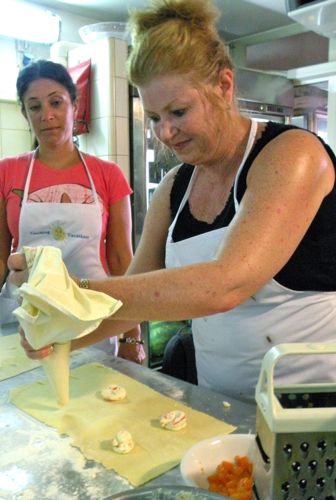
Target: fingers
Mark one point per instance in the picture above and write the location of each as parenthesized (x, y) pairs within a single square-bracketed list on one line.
[(17, 262), (17, 265), (132, 352), (34, 353), (18, 277)]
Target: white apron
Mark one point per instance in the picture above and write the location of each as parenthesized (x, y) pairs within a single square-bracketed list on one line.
[(74, 228), (230, 346)]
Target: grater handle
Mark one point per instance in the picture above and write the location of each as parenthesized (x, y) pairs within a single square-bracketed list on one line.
[(265, 387)]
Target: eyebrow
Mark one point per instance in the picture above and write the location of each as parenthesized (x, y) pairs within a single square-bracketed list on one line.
[(49, 95), (169, 106)]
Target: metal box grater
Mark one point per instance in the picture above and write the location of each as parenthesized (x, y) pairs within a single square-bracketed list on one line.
[(295, 433)]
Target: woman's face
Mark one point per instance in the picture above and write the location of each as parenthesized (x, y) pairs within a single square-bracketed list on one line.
[(183, 119), (49, 111)]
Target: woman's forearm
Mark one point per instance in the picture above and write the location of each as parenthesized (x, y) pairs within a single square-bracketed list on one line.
[(169, 295)]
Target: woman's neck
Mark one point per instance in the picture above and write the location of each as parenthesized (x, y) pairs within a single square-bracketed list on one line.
[(58, 157), (236, 134)]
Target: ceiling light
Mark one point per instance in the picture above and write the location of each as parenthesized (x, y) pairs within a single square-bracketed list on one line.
[(25, 21)]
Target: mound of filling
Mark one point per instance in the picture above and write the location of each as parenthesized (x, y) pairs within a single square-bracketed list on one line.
[(122, 442), (113, 393), (174, 420)]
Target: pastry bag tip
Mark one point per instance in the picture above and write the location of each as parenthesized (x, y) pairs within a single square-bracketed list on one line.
[(57, 370)]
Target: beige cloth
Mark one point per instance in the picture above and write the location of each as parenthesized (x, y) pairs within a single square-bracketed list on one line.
[(13, 359), (54, 308), (92, 422)]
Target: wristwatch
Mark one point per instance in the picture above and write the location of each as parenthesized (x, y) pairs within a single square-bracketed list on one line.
[(130, 340)]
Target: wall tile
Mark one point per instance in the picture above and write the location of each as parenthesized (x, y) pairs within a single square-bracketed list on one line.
[(102, 58), (121, 98), (120, 58), (109, 98), (79, 54), (15, 142), (124, 163), (101, 139), (102, 98), (109, 128), (122, 136), (11, 117)]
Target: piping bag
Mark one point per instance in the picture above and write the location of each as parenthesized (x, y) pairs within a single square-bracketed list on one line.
[(54, 310)]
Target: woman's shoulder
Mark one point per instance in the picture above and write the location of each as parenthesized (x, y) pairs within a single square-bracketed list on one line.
[(18, 160), (273, 130), (106, 169), (15, 166), (285, 131), (282, 138), (108, 177), (302, 140), (96, 161)]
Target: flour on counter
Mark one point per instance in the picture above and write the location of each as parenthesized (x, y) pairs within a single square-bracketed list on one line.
[(43, 466)]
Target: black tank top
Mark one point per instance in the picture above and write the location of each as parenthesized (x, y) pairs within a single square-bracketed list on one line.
[(313, 264)]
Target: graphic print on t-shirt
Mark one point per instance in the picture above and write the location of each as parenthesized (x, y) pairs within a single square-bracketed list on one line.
[(61, 193)]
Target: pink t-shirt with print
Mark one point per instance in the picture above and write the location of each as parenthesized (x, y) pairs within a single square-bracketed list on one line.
[(70, 185)]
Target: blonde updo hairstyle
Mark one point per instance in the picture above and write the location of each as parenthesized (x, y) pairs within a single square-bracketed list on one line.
[(176, 36)]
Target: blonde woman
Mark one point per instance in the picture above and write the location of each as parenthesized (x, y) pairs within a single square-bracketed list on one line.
[(241, 236)]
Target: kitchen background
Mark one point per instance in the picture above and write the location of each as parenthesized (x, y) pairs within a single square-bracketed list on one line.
[(286, 71)]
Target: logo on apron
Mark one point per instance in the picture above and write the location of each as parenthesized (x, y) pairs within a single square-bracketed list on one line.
[(58, 233)]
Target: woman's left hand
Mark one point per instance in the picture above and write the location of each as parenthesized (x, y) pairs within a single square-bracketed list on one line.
[(18, 269), (132, 352)]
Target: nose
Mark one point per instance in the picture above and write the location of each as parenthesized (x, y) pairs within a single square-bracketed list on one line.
[(47, 113), (165, 130)]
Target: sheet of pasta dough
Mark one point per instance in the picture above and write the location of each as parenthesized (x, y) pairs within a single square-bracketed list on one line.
[(13, 359), (92, 422)]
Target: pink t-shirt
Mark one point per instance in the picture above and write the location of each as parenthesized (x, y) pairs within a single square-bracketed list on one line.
[(70, 185)]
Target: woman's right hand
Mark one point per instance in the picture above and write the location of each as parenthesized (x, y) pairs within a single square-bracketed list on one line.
[(34, 353)]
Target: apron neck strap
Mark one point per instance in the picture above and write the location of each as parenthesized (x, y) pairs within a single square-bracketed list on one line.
[(249, 146)]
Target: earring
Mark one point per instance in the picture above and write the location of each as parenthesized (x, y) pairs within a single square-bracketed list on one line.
[(74, 128)]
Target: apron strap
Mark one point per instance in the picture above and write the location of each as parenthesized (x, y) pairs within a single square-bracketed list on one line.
[(249, 145)]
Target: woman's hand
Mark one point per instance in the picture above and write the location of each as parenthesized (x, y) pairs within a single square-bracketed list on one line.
[(32, 353), (132, 352), (18, 266)]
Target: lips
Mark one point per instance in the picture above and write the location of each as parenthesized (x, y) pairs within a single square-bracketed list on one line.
[(49, 129), (181, 145)]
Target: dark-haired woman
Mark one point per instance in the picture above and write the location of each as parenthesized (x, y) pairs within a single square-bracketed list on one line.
[(58, 196)]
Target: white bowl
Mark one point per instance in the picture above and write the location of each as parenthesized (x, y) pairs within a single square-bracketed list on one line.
[(92, 32), (201, 460)]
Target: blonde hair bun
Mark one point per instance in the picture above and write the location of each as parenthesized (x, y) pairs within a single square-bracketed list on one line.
[(197, 13), (176, 36)]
